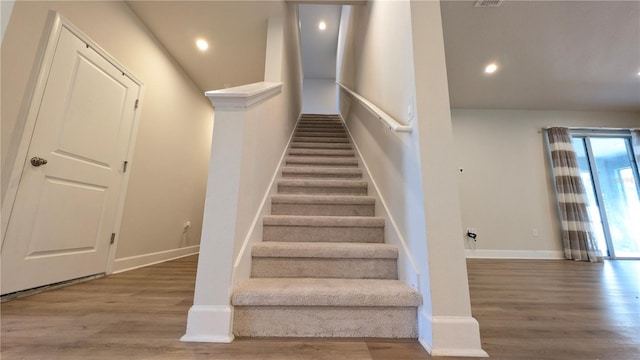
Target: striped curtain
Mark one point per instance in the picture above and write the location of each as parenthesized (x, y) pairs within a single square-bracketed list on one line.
[(577, 235)]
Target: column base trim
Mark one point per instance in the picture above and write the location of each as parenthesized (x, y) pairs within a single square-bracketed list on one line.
[(452, 336), (209, 323)]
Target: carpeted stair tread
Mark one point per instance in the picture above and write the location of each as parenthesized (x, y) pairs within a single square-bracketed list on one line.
[(328, 129), (321, 152), (322, 205), (324, 292), (322, 199), (320, 120), (328, 221), (321, 160), (322, 128), (324, 250), (317, 145), (320, 134), (321, 139), (336, 183), (321, 172), (323, 269)]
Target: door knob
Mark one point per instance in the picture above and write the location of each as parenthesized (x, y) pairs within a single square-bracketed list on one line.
[(37, 161)]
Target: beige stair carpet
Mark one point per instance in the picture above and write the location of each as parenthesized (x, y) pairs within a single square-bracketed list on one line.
[(322, 269)]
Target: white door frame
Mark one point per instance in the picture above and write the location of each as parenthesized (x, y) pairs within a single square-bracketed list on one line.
[(56, 23)]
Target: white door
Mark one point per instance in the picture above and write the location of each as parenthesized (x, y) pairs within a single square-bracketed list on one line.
[(65, 209)]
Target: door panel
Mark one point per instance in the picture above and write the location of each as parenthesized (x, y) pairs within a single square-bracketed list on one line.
[(56, 214), (91, 114), (65, 210)]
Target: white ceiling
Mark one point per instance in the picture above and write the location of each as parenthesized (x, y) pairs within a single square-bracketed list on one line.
[(574, 55), (552, 54), (235, 30), (319, 48)]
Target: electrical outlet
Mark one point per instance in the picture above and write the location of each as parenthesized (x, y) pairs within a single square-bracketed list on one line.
[(534, 233), (187, 225)]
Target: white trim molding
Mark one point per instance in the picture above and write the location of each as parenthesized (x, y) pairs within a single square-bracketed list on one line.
[(451, 336), (245, 96), (138, 261), (514, 254), (209, 323)]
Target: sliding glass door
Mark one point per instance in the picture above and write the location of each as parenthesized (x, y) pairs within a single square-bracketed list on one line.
[(610, 175)]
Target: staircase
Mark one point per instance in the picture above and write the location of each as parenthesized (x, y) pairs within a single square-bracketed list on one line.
[(323, 269)]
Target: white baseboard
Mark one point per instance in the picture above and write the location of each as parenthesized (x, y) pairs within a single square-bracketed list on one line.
[(209, 323), (451, 336), (138, 261), (514, 254)]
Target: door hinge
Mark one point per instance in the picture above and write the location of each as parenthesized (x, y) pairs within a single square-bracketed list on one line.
[(113, 238), (124, 167), (136, 104)]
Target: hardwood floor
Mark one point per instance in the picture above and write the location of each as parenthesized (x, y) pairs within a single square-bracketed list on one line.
[(526, 309), (557, 309)]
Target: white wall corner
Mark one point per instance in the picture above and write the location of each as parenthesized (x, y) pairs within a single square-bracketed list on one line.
[(274, 55), (451, 335), (209, 323)]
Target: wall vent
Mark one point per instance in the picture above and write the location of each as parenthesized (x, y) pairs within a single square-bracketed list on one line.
[(488, 3)]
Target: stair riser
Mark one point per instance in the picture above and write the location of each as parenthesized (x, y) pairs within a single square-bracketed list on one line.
[(325, 321), (321, 139), (323, 209), (320, 126), (321, 176), (322, 152), (316, 145), (319, 134), (324, 268), (318, 190), (319, 121), (333, 130), (323, 233), (337, 129), (325, 163)]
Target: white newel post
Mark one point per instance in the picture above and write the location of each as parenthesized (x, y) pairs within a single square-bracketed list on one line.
[(211, 316), (447, 327)]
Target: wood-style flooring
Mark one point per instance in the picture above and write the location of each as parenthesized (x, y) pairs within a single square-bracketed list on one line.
[(526, 309)]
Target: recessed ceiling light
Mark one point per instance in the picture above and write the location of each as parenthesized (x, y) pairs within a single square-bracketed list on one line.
[(202, 44), (322, 25), (491, 68), (638, 73)]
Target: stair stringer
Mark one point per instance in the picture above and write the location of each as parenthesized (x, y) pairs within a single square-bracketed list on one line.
[(407, 269), (242, 262)]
